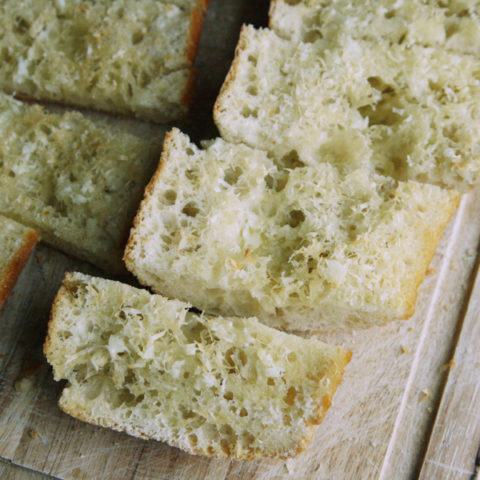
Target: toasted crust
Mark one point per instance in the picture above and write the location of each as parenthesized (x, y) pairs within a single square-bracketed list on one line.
[(232, 73), (430, 243), (195, 32), (11, 272), (132, 240), (16, 264)]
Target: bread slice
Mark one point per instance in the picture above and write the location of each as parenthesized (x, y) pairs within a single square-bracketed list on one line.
[(78, 184), (16, 244), (454, 25), (228, 387), (411, 113), (320, 247), (120, 56)]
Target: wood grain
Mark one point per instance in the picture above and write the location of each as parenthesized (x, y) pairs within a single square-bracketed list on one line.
[(454, 448), (384, 414)]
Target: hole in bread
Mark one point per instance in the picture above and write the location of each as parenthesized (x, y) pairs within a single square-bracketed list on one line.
[(248, 112), (287, 420), (190, 152), (277, 181), (186, 413), (253, 60), (292, 357), (225, 445), (296, 218), (227, 430), (247, 439), (230, 361), (390, 14), (170, 197), (312, 36), (190, 209), (312, 264), (291, 160), (11, 173), (193, 440), (5, 55), (252, 90), (191, 174), (137, 37), (270, 381), (193, 330), (144, 79), (292, 2), (232, 175), (20, 25), (289, 398), (228, 396)]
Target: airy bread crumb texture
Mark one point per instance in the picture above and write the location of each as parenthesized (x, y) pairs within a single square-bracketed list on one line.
[(16, 244), (117, 56), (301, 246), (453, 24), (413, 113), (227, 387), (77, 184)]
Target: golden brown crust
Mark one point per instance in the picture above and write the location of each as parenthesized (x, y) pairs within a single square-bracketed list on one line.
[(48, 349), (203, 3), (232, 73), (250, 455), (431, 239), (189, 91), (194, 34), (148, 192), (335, 375), (12, 270)]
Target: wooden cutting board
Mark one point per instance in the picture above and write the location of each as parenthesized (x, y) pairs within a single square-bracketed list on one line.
[(409, 405)]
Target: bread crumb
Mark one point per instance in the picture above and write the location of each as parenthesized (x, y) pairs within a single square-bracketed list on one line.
[(432, 271), (450, 364), (426, 393), (404, 349), (22, 385)]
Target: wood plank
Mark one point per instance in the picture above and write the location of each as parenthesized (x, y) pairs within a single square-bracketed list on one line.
[(454, 447), (10, 471), (379, 419), (427, 377)]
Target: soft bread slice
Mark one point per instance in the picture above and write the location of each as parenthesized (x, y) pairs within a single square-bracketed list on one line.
[(453, 25), (228, 387), (414, 114), (302, 247), (16, 244), (79, 185), (121, 56)]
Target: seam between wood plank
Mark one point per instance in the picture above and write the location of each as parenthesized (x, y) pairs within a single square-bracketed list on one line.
[(475, 278), (424, 334), (8, 462)]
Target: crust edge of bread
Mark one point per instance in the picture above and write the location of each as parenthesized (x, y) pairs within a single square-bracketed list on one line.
[(17, 262)]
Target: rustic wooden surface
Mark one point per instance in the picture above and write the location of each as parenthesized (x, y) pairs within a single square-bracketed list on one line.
[(404, 409)]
